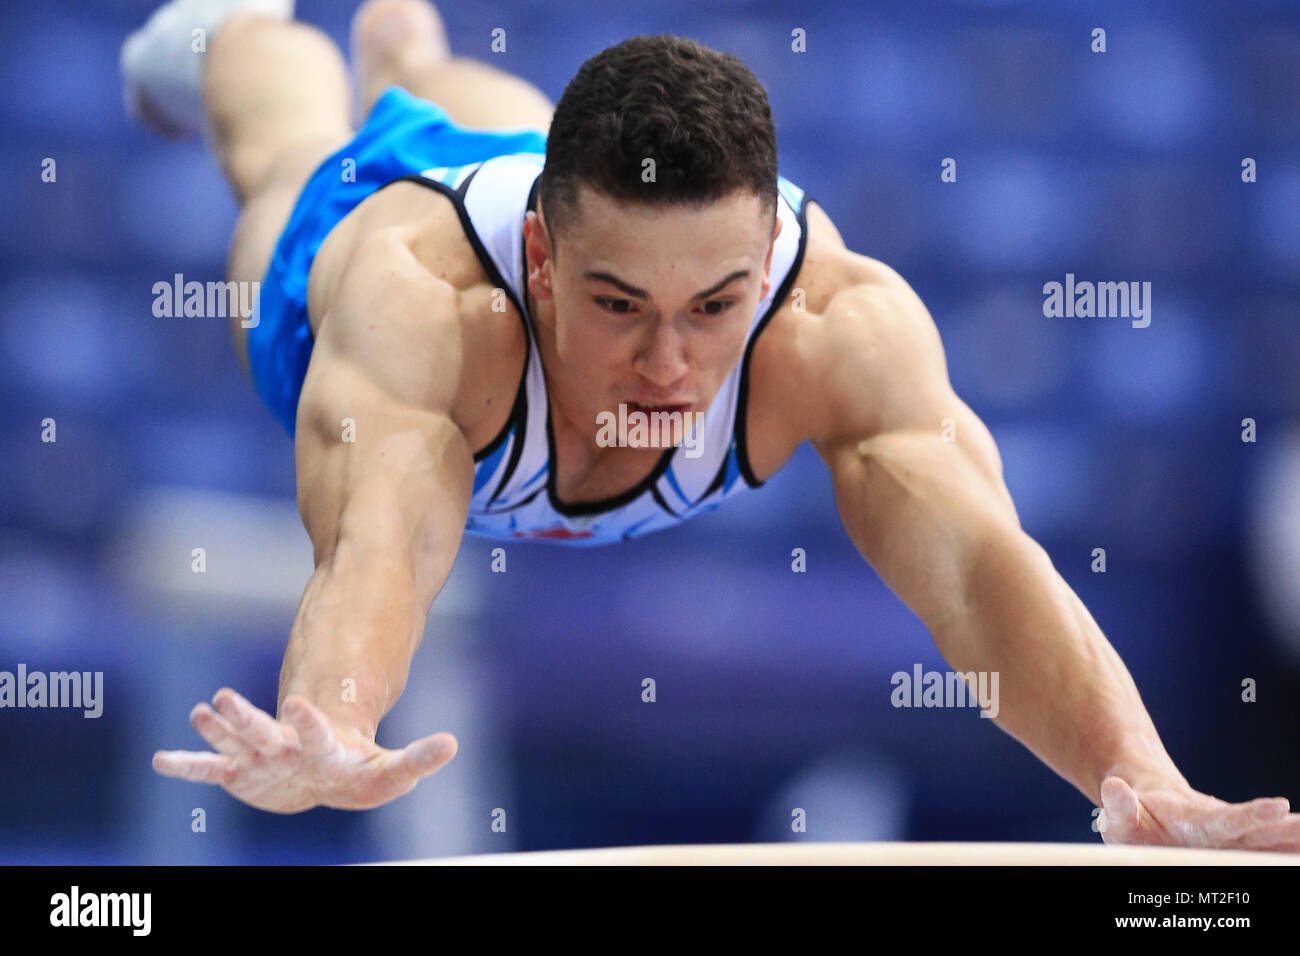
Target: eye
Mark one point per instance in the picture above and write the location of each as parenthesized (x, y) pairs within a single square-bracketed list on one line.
[(617, 306), (723, 306)]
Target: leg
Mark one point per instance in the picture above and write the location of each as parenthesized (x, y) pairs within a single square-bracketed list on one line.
[(278, 102), (402, 42)]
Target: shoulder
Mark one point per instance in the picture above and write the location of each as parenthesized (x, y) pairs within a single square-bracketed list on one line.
[(408, 304), (853, 348), (394, 320)]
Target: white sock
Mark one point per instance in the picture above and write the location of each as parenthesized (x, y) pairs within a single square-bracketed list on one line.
[(162, 71)]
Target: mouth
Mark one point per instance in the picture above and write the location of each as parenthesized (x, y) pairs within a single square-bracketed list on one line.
[(649, 408)]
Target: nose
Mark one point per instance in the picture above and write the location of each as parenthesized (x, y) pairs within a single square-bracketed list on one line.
[(663, 359)]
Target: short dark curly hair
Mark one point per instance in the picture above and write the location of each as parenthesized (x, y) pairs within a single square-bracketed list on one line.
[(701, 115)]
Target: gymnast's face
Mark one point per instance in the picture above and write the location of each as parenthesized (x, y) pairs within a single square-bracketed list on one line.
[(649, 305)]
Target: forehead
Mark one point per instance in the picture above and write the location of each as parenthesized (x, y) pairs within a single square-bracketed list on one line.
[(733, 229)]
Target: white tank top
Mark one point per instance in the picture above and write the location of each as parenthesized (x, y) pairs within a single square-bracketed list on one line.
[(514, 484)]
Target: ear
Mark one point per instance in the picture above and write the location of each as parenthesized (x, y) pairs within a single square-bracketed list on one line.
[(538, 253)]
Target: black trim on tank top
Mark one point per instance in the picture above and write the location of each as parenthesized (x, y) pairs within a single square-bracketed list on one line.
[(519, 413), (580, 508), (717, 481), (514, 507), (738, 430), (530, 206), (663, 504), (491, 446), (463, 189)]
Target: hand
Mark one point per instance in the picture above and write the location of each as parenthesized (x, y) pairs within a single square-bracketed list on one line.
[(303, 761), (1185, 817)]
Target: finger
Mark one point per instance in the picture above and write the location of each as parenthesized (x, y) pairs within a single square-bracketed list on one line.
[(311, 725), (1120, 813), (1242, 818), (1268, 809), (214, 728), (421, 758), (195, 767), (255, 727), (1281, 835)]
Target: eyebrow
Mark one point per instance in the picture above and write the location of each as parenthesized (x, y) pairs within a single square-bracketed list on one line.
[(636, 293)]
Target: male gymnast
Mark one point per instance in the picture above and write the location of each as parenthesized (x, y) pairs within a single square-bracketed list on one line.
[(474, 279)]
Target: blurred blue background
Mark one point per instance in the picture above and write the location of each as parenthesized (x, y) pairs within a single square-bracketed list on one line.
[(773, 687)]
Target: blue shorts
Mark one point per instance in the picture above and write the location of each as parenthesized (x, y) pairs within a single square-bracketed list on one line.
[(402, 136)]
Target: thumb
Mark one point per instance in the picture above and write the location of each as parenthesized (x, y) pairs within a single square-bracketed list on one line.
[(1120, 810), (428, 754)]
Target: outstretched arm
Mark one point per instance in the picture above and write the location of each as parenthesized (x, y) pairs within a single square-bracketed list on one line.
[(384, 482), (918, 484)]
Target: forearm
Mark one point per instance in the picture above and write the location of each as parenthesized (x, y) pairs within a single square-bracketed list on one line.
[(1064, 692), (358, 626)]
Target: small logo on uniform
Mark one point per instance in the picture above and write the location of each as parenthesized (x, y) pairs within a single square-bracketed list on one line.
[(552, 534)]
